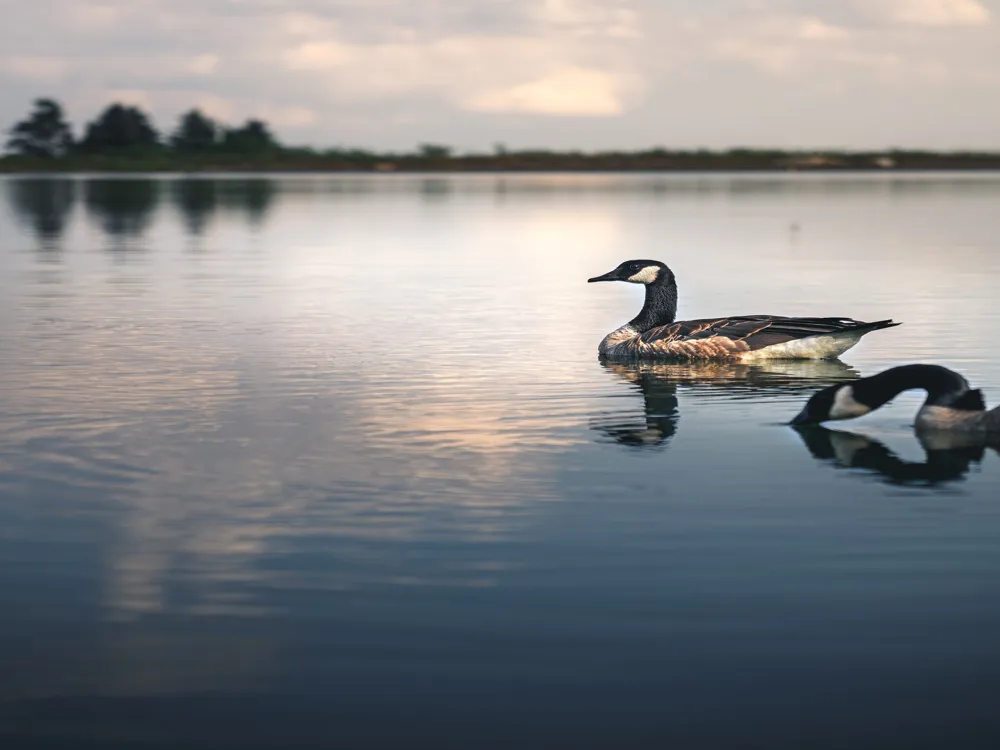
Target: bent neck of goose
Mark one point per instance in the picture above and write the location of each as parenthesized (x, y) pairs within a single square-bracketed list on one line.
[(944, 387), (660, 307)]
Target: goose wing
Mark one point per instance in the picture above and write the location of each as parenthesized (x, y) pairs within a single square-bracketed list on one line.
[(719, 337)]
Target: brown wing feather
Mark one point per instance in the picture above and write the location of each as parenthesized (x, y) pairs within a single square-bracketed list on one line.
[(721, 337), (782, 329)]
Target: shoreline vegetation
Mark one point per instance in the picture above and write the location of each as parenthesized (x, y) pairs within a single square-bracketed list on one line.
[(653, 160), (123, 139)]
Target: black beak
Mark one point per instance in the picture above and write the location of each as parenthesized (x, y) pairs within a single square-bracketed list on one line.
[(802, 418), (609, 276)]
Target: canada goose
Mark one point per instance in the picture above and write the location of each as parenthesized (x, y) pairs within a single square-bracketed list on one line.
[(653, 334), (950, 405)]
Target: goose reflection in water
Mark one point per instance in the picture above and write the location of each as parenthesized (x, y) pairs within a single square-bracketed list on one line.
[(658, 383), (949, 458)]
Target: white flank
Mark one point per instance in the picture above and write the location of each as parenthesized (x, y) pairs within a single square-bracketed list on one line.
[(813, 347)]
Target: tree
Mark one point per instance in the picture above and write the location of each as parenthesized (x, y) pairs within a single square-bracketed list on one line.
[(195, 132), (252, 137), (434, 151), (45, 133), (119, 128)]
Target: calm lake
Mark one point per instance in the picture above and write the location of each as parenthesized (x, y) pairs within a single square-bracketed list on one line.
[(330, 461)]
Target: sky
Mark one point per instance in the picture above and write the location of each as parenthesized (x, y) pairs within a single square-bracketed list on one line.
[(563, 74)]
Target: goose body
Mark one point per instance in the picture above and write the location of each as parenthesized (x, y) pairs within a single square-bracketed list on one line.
[(951, 405), (654, 334)]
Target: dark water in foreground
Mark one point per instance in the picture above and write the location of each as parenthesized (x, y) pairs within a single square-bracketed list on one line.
[(331, 461)]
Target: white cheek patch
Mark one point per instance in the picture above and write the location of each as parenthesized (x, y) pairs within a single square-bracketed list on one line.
[(844, 405), (647, 275)]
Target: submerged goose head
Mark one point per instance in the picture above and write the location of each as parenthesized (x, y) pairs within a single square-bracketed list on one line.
[(950, 405), (638, 272)]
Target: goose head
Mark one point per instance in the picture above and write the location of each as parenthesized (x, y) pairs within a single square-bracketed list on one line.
[(838, 401), (645, 272)]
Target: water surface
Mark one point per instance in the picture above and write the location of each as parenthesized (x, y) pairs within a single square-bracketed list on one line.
[(299, 461)]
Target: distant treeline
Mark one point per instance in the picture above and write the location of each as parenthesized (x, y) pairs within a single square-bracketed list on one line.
[(123, 138)]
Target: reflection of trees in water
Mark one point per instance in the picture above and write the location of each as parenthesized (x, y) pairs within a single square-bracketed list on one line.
[(436, 188), (122, 207), (200, 198), (125, 207), (253, 196), (948, 457), (45, 205), (197, 200), (658, 383)]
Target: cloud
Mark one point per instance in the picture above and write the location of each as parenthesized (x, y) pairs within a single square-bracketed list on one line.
[(93, 16), (570, 91), (813, 28), (526, 74), (937, 12), (203, 65), (585, 18), (46, 69), (391, 73), (780, 44), (318, 56)]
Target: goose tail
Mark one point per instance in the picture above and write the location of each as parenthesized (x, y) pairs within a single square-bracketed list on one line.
[(877, 325)]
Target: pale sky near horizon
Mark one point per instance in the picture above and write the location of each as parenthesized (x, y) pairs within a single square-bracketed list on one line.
[(560, 74)]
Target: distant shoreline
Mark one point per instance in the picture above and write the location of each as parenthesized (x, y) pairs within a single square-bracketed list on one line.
[(208, 171), (656, 161)]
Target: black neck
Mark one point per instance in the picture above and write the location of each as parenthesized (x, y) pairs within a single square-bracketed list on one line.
[(660, 307), (944, 387)]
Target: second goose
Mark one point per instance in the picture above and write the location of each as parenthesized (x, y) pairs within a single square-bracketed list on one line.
[(653, 334), (952, 406)]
